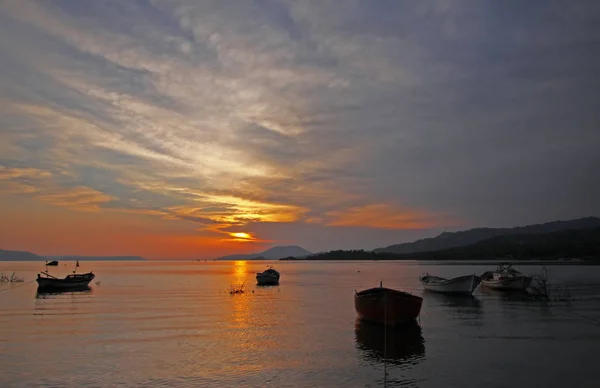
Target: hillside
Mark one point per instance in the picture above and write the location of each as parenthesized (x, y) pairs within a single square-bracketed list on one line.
[(271, 254), (448, 240), (581, 243), (342, 255), (564, 244), (6, 255)]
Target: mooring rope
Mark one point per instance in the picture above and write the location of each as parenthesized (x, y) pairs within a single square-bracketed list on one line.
[(582, 316), (20, 285)]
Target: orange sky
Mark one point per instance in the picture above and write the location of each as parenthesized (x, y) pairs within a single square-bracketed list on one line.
[(49, 230)]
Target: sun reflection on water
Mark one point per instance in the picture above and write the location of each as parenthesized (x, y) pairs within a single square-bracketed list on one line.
[(241, 308), (240, 271)]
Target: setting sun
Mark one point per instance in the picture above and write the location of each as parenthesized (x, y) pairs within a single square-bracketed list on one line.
[(241, 235)]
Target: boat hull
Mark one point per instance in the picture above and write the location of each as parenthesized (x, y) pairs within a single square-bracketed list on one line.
[(520, 283), (461, 285), (49, 284), (386, 306), (265, 280)]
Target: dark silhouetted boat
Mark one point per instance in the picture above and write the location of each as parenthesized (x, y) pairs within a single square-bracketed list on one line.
[(74, 281), (53, 263), (386, 306), (270, 277)]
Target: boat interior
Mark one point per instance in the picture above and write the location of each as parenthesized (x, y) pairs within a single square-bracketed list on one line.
[(382, 290), (432, 279)]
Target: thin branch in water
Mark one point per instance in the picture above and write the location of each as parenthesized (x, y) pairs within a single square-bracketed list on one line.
[(13, 278)]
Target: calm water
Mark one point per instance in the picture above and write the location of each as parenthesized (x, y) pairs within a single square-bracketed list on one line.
[(175, 325)]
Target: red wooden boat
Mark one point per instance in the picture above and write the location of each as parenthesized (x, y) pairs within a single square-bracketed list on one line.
[(387, 306)]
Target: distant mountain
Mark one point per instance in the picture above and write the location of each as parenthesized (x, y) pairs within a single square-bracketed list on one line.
[(271, 254), (6, 255), (564, 244), (581, 244), (448, 240), (96, 258)]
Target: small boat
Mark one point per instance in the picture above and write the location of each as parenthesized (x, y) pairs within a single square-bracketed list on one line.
[(460, 285), (387, 306), (270, 277), (506, 278), (53, 263), (74, 281)]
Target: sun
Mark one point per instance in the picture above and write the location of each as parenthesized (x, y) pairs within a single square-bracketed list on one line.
[(241, 235)]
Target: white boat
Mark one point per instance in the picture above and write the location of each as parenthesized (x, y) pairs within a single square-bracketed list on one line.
[(460, 285), (505, 277), (270, 277)]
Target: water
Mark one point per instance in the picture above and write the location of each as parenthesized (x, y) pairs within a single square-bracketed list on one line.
[(152, 324)]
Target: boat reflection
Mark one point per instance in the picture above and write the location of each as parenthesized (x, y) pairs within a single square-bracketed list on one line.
[(42, 294), (514, 296), (394, 345), (451, 300)]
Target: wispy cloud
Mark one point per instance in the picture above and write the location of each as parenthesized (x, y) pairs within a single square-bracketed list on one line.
[(40, 185), (382, 216), (78, 198)]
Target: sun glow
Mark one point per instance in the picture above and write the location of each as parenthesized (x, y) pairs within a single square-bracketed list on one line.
[(241, 235)]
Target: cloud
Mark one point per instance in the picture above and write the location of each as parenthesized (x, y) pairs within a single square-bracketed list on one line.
[(39, 183), (388, 115), (21, 180), (77, 198), (383, 216), (225, 211), (30, 173)]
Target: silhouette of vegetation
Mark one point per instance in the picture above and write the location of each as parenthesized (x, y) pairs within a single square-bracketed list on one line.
[(541, 287), (235, 289), (350, 255), (10, 279)]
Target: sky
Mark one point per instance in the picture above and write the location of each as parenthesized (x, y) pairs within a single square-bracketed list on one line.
[(194, 129)]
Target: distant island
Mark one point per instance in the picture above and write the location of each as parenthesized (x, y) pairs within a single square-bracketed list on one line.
[(576, 240), (272, 254), (7, 255)]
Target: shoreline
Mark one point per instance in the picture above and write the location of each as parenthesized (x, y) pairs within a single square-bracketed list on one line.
[(462, 262)]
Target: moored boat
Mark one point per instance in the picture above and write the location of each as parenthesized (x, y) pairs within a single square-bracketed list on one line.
[(74, 281), (270, 277), (387, 306), (70, 282), (460, 285), (53, 263), (506, 278)]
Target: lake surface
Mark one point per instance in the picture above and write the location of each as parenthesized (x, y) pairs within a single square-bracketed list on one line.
[(173, 324)]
